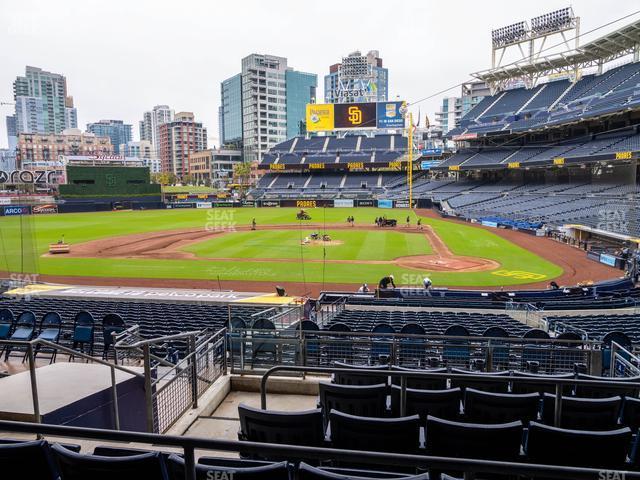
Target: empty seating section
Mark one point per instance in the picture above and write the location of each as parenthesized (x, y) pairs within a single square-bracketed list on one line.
[(596, 326), (461, 423), (154, 319), (555, 102), (433, 323)]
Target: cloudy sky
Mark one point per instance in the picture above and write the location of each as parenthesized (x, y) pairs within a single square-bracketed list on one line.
[(122, 57)]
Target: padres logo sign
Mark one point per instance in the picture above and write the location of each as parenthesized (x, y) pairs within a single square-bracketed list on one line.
[(519, 274), (355, 116)]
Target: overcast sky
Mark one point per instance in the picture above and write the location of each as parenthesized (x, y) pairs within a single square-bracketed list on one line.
[(123, 57)]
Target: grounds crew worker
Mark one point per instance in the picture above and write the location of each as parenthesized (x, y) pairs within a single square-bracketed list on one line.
[(385, 281)]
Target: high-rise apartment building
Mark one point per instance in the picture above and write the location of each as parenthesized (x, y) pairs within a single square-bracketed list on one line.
[(270, 98), (178, 139), (454, 108), (118, 131), (42, 102), (33, 147), (151, 122)]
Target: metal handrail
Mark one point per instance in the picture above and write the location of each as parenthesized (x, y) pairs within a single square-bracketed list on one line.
[(189, 444), (33, 377), (403, 375), (167, 338)]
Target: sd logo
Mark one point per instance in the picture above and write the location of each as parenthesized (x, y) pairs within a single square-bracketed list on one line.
[(355, 115)]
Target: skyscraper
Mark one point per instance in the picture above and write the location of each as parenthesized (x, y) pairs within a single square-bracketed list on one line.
[(118, 131), (270, 100), (12, 133), (358, 78), (454, 108), (178, 139), (230, 113), (151, 122), (41, 102)]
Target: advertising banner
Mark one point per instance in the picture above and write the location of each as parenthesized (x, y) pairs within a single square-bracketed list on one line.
[(44, 209), (270, 203), (354, 115), (5, 201), (16, 210), (608, 259), (487, 223), (385, 203), (366, 203), (432, 152), (390, 114), (343, 203), (427, 164), (320, 117), (204, 205), (403, 203), (181, 205)]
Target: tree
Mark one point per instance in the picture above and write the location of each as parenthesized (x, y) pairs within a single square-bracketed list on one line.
[(241, 176)]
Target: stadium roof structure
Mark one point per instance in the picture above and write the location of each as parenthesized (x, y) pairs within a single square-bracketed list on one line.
[(619, 43)]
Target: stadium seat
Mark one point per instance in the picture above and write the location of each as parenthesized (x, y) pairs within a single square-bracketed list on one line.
[(421, 383), (24, 330), (630, 416), (275, 471), (293, 428), (524, 387), (50, 328), (621, 339), (360, 400), (583, 413), (308, 472), (412, 351), (83, 332), (352, 378), (535, 353), (31, 459), (500, 350), (76, 466), (380, 348), (262, 339), (456, 352), (234, 338), (486, 386), (446, 438), (606, 391), (558, 446), (487, 407), (339, 348), (437, 403), (112, 323), (6, 323), (352, 432)]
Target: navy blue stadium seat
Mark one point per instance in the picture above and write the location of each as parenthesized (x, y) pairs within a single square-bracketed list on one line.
[(437, 403), (6, 323), (486, 386), (456, 351), (83, 332), (262, 340), (618, 337), (381, 346), (534, 352), (579, 448), (112, 323), (275, 471), (500, 350), (412, 350), (360, 400), (583, 413), (339, 348), (308, 472), (421, 383), (352, 378), (488, 407), (446, 438), (524, 387), (50, 329), (606, 391), (292, 428), (352, 432), (76, 466), (630, 416), (25, 327), (31, 459)]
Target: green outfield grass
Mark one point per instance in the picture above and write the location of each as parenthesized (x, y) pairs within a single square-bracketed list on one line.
[(24, 239)]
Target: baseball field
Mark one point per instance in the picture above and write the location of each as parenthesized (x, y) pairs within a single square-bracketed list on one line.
[(219, 245)]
